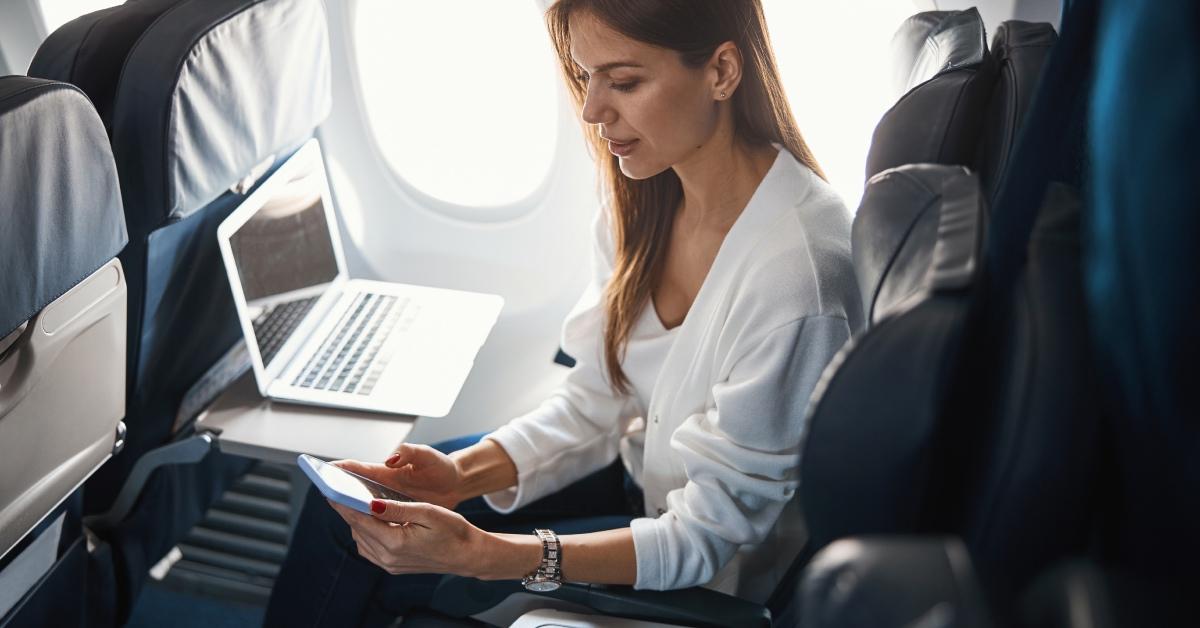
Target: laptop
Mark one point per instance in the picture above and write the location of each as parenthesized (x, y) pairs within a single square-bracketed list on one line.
[(316, 336)]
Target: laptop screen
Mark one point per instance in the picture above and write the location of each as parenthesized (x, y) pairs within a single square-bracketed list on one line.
[(285, 258)]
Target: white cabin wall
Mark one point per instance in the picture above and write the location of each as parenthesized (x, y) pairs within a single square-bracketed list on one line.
[(538, 261), (22, 29)]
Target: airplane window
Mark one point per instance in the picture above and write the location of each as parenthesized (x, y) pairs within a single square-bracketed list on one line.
[(462, 96), (55, 13), (833, 56)]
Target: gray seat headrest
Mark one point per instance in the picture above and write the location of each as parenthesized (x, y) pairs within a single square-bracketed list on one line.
[(60, 204)]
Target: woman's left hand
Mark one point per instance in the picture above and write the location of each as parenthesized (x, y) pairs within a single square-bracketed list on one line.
[(415, 537)]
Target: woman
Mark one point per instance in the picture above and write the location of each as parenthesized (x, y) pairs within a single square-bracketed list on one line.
[(722, 288)]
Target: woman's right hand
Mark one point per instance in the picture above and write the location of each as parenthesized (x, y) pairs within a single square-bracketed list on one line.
[(419, 471)]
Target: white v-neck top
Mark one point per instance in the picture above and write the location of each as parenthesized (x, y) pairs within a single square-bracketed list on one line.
[(644, 356), (713, 424)]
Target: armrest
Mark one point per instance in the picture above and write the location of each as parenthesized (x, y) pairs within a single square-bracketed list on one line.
[(187, 451), (462, 597), (892, 581)]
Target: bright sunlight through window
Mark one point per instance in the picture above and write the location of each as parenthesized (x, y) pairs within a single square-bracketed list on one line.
[(461, 95), (833, 55), (59, 12)]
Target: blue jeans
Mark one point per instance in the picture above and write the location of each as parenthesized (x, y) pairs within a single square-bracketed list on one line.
[(324, 582)]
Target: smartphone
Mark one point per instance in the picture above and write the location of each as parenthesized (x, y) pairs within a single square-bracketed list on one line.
[(346, 488)]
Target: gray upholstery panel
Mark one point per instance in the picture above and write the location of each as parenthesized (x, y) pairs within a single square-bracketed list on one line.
[(909, 236), (187, 99), (60, 205), (935, 42)]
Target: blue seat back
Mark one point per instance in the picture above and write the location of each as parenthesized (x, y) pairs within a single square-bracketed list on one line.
[(1143, 300)]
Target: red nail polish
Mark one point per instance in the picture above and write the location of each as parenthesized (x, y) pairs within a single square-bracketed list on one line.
[(377, 507), (393, 459)]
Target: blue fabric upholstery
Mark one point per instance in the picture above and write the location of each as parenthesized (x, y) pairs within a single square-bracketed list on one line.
[(1142, 295)]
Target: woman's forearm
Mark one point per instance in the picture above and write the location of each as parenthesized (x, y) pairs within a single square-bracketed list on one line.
[(598, 557), (483, 468)]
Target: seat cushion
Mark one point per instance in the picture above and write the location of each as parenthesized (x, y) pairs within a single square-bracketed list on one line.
[(60, 206)]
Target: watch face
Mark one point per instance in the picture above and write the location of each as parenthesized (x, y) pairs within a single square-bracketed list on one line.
[(542, 586)]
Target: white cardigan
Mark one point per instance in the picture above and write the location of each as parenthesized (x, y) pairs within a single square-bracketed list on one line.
[(724, 423)]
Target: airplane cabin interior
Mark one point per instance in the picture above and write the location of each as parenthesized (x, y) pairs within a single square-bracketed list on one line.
[(240, 239)]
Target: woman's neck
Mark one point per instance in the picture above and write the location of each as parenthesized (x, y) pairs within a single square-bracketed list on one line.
[(719, 180)]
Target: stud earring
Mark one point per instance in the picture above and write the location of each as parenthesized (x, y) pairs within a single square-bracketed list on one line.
[(722, 94)]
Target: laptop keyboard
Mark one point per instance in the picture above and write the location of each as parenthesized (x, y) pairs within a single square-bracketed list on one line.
[(274, 326), (349, 359)]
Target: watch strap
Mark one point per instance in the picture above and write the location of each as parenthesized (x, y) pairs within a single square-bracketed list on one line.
[(550, 569)]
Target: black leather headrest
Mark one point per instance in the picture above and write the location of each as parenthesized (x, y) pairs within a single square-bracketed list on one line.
[(1020, 50), (60, 204), (945, 72), (901, 250), (207, 90)]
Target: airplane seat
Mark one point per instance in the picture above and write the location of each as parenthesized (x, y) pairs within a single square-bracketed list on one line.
[(62, 326), (205, 99), (913, 221), (896, 462), (1015, 469), (868, 459)]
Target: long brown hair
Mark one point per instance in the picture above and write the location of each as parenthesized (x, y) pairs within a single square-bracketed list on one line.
[(643, 211)]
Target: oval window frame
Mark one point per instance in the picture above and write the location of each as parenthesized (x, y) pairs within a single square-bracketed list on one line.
[(474, 214)]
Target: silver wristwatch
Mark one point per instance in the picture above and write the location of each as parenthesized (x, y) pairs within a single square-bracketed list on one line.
[(548, 576)]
